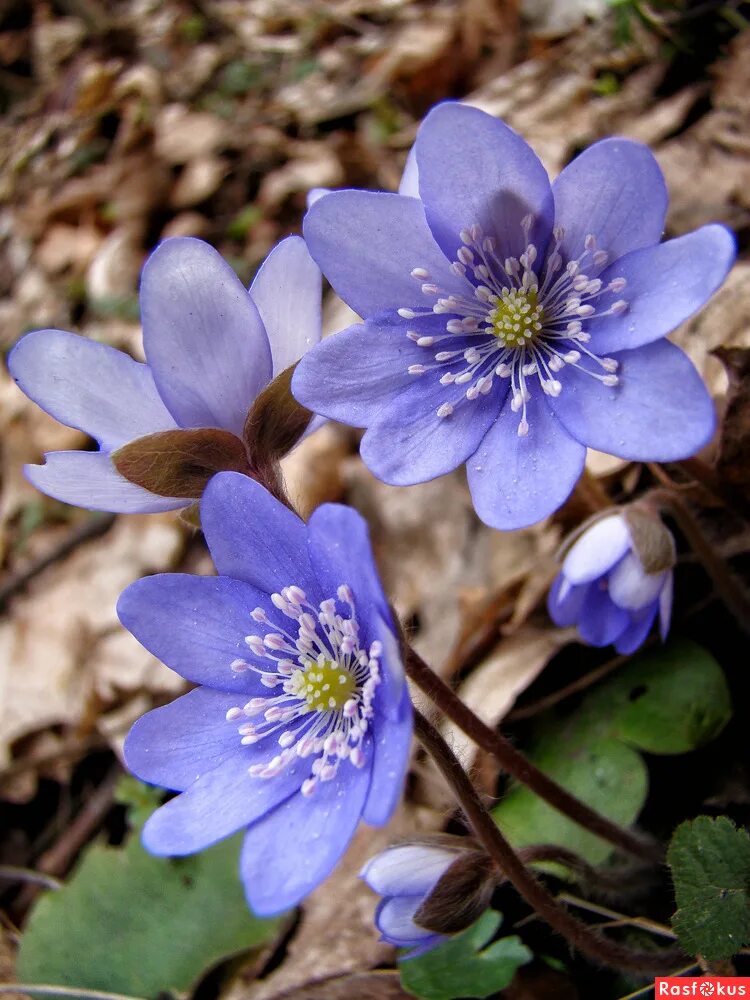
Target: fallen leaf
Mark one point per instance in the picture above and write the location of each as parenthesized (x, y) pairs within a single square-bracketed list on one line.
[(491, 689)]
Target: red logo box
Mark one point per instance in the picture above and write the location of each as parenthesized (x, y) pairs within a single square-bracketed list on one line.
[(713, 986)]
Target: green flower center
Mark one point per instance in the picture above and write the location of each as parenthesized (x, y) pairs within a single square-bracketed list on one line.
[(326, 687), (516, 317)]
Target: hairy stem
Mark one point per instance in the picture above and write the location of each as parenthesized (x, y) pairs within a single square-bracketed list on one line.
[(520, 768), (578, 934)]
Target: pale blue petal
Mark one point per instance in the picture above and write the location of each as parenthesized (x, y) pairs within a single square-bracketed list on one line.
[(659, 412), (203, 336), (516, 481), (90, 386), (291, 851), (474, 168), (665, 285), (253, 537), (614, 191), (368, 242), (597, 550), (88, 479), (287, 291)]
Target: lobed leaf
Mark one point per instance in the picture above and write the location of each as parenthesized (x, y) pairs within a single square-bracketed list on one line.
[(131, 923), (710, 862), (460, 968)]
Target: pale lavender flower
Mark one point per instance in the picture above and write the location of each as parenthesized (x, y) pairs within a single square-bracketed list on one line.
[(405, 875), (302, 722), (510, 323), (210, 347), (605, 589)]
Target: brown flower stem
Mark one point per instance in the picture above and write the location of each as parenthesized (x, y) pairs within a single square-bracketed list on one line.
[(727, 587), (578, 934), (520, 768), (609, 881)]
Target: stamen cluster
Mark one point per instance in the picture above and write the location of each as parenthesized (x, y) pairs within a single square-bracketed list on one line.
[(327, 684), (523, 318)]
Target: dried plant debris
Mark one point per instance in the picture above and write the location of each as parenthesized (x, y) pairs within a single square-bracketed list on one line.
[(128, 122)]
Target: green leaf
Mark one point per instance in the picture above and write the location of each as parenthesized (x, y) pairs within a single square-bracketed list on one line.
[(710, 862), (669, 701), (459, 967), (607, 775), (131, 923)]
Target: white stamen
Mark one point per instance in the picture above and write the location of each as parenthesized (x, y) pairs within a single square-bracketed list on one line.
[(520, 324)]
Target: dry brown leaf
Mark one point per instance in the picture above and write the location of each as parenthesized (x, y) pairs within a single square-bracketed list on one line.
[(733, 464), (491, 688), (51, 664), (182, 136), (8, 962), (385, 985)]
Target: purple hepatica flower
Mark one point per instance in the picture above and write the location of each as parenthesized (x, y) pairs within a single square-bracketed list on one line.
[(605, 590), (405, 875), (509, 324), (210, 347), (302, 722)]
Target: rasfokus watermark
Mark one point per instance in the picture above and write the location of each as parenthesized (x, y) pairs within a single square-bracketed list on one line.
[(716, 986)]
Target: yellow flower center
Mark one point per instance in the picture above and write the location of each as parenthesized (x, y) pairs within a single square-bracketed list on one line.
[(325, 687), (516, 317)]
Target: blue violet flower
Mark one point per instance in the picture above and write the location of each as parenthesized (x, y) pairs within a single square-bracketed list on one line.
[(405, 875), (510, 323), (302, 722), (615, 578), (210, 347)]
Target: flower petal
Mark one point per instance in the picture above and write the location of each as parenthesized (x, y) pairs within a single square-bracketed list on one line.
[(407, 869), (631, 588), (601, 622), (516, 481), (636, 632), (291, 851), (565, 602), (410, 443), (287, 291), (665, 606), (88, 479), (614, 190), (597, 550), (659, 412), (173, 745), (474, 168), (218, 804), (354, 375), (196, 625), (409, 185), (89, 385), (368, 242), (392, 743), (394, 919), (341, 552), (253, 537), (665, 284), (203, 335)]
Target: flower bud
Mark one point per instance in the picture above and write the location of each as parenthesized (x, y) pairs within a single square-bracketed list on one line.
[(432, 888), (616, 576)]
